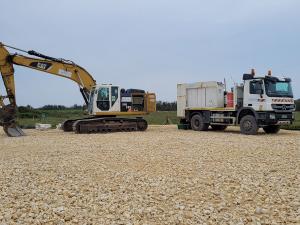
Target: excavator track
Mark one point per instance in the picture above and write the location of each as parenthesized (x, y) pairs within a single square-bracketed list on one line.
[(67, 125), (109, 124)]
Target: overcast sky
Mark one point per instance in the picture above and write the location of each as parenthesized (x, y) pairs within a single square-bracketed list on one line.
[(151, 44)]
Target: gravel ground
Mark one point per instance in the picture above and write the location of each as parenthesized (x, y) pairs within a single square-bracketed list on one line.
[(161, 176)]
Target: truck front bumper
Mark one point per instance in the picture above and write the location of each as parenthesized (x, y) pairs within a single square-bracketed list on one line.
[(275, 118)]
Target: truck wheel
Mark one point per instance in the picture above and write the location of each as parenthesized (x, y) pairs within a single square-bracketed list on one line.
[(272, 129), (248, 125), (198, 124), (218, 127)]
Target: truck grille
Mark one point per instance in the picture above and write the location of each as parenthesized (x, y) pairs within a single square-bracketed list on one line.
[(283, 107)]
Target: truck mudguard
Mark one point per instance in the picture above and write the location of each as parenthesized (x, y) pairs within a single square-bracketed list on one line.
[(246, 111)]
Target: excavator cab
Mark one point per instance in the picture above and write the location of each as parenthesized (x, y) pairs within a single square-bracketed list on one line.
[(107, 99)]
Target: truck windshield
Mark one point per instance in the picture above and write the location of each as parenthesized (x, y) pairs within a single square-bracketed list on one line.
[(278, 88)]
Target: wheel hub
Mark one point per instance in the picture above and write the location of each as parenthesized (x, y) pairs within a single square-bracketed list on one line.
[(247, 125)]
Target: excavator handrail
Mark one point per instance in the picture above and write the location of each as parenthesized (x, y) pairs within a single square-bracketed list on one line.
[(40, 55)]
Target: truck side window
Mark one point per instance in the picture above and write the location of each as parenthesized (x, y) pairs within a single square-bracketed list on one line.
[(256, 87)]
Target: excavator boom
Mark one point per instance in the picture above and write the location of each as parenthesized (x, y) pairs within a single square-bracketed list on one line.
[(59, 67)]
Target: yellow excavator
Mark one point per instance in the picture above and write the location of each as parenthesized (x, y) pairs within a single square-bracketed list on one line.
[(110, 107)]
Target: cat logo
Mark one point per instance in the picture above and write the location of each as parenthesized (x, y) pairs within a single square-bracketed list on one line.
[(41, 65)]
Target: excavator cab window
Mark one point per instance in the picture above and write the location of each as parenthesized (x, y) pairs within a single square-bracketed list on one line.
[(114, 95), (91, 101), (103, 99)]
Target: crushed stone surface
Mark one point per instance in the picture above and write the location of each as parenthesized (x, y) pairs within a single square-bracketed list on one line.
[(161, 176)]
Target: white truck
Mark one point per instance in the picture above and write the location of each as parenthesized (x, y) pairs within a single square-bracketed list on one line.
[(259, 102)]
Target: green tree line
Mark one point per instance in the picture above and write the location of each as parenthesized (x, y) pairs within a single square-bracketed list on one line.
[(56, 110), (29, 112)]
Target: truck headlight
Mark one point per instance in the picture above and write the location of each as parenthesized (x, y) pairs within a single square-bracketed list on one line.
[(272, 116)]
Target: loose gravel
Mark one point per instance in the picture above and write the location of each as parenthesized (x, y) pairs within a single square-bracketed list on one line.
[(161, 176)]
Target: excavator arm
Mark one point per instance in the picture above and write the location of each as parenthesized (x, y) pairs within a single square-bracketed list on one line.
[(60, 67)]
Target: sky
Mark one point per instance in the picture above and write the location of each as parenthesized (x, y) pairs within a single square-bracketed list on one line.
[(151, 44)]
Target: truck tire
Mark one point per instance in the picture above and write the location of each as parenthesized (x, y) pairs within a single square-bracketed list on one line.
[(272, 129), (198, 124), (248, 125), (218, 127)]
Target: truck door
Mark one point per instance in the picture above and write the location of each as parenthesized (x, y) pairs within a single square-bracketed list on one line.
[(253, 95)]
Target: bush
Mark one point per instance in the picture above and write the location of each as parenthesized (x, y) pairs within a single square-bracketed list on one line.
[(166, 106), (53, 107), (25, 109), (27, 112), (297, 103), (29, 115)]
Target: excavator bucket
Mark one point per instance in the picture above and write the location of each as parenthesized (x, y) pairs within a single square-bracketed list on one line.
[(13, 130), (7, 120)]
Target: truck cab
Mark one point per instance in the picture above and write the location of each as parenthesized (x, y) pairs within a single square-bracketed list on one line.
[(270, 98)]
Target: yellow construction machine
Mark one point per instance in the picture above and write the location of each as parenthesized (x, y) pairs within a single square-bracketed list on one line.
[(105, 102)]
